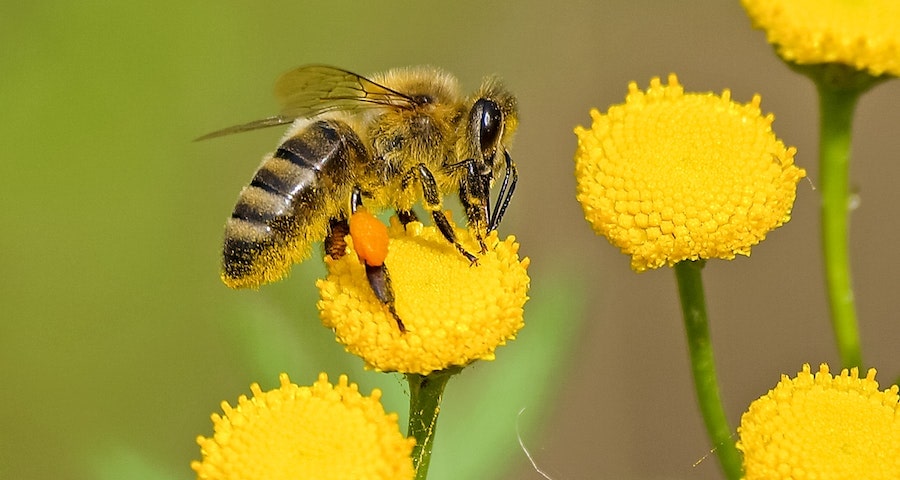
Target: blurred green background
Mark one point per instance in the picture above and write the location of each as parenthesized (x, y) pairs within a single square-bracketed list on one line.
[(117, 339)]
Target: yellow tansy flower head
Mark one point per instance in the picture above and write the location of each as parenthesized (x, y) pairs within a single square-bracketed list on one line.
[(823, 427), (326, 432), (864, 34), (454, 312), (670, 176)]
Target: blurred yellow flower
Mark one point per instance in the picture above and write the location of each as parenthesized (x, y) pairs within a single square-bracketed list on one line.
[(669, 176), (864, 34), (823, 427), (322, 431), (454, 312)]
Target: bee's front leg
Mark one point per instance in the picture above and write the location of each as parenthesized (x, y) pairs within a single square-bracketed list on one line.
[(474, 194), (432, 201), (506, 191)]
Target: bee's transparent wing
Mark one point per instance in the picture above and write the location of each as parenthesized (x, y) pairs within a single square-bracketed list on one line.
[(314, 89), (245, 127)]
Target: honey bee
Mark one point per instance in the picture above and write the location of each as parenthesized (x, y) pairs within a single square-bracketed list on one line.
[(401, 137)]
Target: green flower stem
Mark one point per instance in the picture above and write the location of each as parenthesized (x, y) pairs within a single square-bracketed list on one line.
[(840, 87), (693, 307), (425, 394), (836, 112)]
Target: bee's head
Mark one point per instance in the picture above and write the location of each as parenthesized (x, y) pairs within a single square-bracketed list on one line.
[(492, 121)]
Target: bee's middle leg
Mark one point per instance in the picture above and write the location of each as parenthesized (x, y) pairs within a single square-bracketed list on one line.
[(334, 244), (406, 217)]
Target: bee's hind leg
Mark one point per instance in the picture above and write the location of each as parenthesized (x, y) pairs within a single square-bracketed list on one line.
[(380, 281), (376, 270)]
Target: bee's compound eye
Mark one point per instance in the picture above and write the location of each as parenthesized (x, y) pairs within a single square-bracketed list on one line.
[(490, 126)]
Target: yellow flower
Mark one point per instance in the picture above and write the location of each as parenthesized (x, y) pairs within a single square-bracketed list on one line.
[(322, 431), (823, 427), (454, 312), (669, 176), (864, 34)]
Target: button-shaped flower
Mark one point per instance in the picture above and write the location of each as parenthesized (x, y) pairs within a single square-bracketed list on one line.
[(670, 176), (863, 34), (322, 431), (454, 312), (823, 427)]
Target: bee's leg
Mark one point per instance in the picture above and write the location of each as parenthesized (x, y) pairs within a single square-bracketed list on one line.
[(377, 275), (509, 180), (338, 228), (355, 199), (432, 200), (474, 194), (380, 281), (335, 245), (407, 216)]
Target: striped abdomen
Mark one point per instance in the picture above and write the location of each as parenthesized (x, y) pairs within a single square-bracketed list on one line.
[(288, 203)]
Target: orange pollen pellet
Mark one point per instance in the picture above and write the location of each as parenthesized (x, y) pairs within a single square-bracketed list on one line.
[(370, 237)]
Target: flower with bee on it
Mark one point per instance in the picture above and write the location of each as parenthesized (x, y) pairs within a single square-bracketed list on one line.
[(453, 312)]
